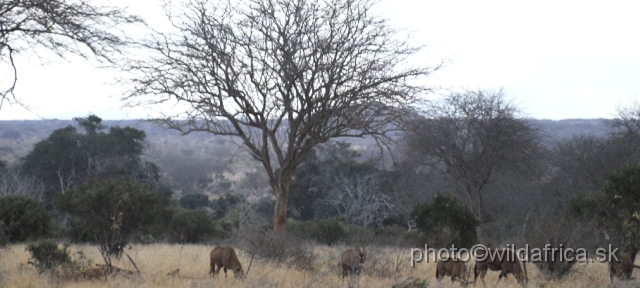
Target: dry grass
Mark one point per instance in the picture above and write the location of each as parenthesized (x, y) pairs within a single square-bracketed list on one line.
[(384, 267)]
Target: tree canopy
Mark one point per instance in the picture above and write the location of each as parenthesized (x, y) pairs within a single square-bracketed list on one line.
[(623, 191), (445, 215), (68, 159), (471, 136), (282, 76), (60, 26)]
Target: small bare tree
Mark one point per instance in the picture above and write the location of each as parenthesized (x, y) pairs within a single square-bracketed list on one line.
[(626, 134), (586, 160), (471, 136), (282, 76), (628, 121), (13, 182), (60, 26), (360, 200)]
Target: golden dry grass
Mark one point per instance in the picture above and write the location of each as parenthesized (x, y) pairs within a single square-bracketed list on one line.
[(384, 267)]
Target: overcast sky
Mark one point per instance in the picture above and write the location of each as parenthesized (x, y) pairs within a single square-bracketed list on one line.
[(555, 59)]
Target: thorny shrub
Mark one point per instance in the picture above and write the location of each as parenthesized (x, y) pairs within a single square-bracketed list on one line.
[(280, 248)]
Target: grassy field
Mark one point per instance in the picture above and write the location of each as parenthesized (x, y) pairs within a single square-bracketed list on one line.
[(384, 268)]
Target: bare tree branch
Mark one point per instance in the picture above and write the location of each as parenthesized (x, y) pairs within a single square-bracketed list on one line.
[(282, 76), (12, 182), (60, 26), (471, 136), (359, 200)]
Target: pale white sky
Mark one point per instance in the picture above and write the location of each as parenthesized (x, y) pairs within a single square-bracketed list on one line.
[(556, 59)]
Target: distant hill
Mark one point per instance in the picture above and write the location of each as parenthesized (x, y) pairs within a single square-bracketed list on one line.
[(18, 137), (555, 130), (210, 161)]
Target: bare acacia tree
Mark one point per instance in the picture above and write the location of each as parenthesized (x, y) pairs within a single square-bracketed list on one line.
[(471, 136), (60, 26), (628, 122), (359, 200), (282, 76), (586, 160), (12, 182)]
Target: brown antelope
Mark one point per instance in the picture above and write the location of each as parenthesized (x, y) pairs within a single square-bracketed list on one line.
[(623, 268), (352, 261), (225, 257), (451, 267), (504, 260)]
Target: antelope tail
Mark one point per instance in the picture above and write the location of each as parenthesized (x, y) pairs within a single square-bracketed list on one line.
[(611, 271), (249, 268), (475, 271), (526, 275)]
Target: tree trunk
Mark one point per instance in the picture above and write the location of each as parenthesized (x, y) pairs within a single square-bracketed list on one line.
[(280, 213), (481, 205), (282, 195), (479, 233), (475, 206)]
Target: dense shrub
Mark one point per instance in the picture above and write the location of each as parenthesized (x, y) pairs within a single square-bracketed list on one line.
[(4, 239), (46, 256), (357, 235), (78, 233), (191, 227), (23, 218), (264, 208), (112, 211), (329, 231), (301, 229), (194, 201), (614, 210), (223, 205), (622, 189), (445, 222), (589, 205), (224, 227), (282, 248), (557, 231), (414, 238), (392, 235), (323, 209)]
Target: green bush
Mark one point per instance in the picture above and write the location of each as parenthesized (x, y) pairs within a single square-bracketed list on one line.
[(225, 204), (445, 222), (622, 190), (357, 235), (78, 233), (589, 205), (391, 235), (300, 229), (329, 231), (23, 218), (615, 209), (194, 201), (3, 236), (224, 227), (281, 248), (414, 238), (265, 207), (113, 211), (191, 227), (46, 256)]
